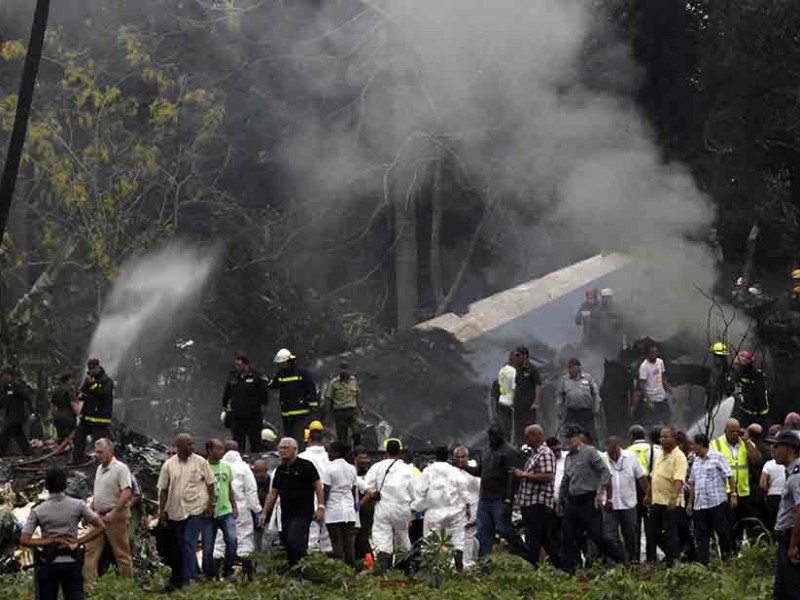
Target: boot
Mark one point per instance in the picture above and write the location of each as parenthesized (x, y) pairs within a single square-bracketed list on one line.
[(384, 560), (248, 569), (458, 558)]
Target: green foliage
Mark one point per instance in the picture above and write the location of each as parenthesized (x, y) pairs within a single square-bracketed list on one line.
[(504, 578)]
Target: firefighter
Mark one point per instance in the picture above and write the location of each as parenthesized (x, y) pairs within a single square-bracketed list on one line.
[(751, 399), (586, 314), (298, 395), (245, 393), (18, 409), (795, 289), (97, 394)]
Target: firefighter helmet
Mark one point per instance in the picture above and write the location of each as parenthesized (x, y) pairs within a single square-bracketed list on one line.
[(283, 355), (719, 349)]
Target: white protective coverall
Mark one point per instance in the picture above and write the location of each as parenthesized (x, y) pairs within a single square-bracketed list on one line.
[(395, 481), (318, 538), (472, 485), (442, 495), (245, 490)]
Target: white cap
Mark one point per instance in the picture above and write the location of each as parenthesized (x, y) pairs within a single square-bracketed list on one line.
[(283, 355), (607, 293), (267, 435)]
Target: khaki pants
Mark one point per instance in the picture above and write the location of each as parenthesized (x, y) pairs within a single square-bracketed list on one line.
[(117, 534)]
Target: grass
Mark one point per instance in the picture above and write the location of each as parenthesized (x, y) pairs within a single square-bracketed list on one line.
[(504, 578)]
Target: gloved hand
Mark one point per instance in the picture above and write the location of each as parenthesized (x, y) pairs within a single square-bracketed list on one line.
[(222, 417)]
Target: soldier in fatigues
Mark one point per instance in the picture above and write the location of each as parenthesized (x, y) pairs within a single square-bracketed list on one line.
[(786, 446), (343, 397)]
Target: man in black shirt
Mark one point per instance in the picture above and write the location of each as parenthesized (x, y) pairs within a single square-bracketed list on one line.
[(61, 401), (527, 394), (16, 401), (497, 493), (295, 482), (245, 393)]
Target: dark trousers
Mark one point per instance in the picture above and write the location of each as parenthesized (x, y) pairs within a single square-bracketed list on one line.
[(16, 433), (623, 522), (505, 416), (771, 511), (64, 427), (582, 520), (343, 541), (787, 574), (584, 417), (85, 428), (708, 521), (662, 526), (642, 518), (662, 413), (538, 521), (346, 420), (248, 428), (366, 515), (294, 536), (50, 577), (295, 427), (492, 518), (739, 519)]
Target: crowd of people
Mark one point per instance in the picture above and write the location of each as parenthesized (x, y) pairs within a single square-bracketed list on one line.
[(558, 498)]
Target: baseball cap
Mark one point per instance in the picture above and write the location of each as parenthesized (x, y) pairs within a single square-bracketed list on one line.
[(785, 437)]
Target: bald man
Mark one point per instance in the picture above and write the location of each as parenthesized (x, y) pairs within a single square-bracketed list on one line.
[(186, 499), (296, 482), (536, 497), (742, 456)]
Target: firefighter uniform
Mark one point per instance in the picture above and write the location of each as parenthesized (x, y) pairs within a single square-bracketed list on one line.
[(242, 400), (751, 399), (17, 404), (98, 407), (298, 397)]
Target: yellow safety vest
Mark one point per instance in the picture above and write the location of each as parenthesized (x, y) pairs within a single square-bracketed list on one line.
[(641, 449), (740, 467)]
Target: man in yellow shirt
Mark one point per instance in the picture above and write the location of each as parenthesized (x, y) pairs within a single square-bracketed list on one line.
[(665, 497)]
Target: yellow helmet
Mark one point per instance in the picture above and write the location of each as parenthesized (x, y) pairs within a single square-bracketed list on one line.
[(796, 274), (387, 440), (316, 426), (719, 349)]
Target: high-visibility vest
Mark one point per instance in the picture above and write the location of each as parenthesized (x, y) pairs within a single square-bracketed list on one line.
[(740, 467), (641, 449)]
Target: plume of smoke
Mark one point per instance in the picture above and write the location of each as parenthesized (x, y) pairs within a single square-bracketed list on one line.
[(508, 90), (152, 292)]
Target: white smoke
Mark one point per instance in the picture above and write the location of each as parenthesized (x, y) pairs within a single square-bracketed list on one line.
[(152, 292), (502, 88)]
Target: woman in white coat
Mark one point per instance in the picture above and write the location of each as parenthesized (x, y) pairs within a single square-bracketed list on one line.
[(245, 491)]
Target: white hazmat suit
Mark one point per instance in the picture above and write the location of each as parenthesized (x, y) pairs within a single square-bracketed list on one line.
[(441, 493), (395, 480), (245, 490)]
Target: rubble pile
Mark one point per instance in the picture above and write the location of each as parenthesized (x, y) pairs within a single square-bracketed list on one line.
[(421, 383)]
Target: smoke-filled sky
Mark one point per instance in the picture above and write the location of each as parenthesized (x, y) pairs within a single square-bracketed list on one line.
[(504, 88)]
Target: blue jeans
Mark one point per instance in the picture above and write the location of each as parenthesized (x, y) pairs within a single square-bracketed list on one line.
[(203, 526), (226, 524), (492, 518)]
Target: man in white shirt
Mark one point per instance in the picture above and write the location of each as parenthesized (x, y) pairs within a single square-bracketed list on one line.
[(507, 381), (653, 383), (390, 484), (315, 452), (620, 516), (442, 495), (340, 482)]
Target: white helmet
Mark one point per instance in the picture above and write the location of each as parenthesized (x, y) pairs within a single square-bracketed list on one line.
[(607, 293), (267, 435), (283, 355)]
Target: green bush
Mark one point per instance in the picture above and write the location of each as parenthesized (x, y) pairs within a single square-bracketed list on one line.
[(505, 577)]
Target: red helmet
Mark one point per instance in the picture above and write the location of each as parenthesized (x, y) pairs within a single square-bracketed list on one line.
[(745, 356)]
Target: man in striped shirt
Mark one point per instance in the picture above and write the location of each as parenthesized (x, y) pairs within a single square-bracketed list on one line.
[(536, 496), (708, 498)]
